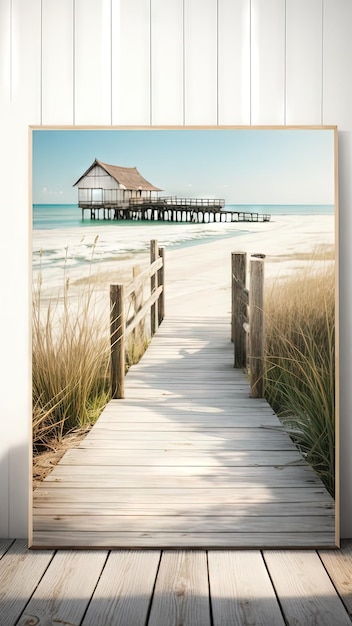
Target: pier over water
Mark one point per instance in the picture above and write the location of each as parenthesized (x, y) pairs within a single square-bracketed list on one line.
[(169, 209)]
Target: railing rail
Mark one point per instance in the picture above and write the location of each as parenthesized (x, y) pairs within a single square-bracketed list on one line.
[(247, 318), (176, 201), (121, 326)]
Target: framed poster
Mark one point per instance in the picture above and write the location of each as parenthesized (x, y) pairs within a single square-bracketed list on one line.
[(185, 457)]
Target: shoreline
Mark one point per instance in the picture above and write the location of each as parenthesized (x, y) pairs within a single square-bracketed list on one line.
[(199, 272)]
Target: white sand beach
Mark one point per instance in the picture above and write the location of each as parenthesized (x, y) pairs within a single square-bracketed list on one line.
[(198, 280)]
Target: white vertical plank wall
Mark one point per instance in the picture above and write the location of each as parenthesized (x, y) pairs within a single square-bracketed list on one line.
[(57, 62), (131, 62), (147, 62), (234, 62), (167, 62), (92, 62), (268, 28), (200, 61), (304, 61)]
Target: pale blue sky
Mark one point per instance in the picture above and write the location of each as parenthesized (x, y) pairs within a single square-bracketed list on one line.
[(243, 166)]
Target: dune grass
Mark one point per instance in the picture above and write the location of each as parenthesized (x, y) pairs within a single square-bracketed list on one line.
[(70, 363), (71, 359), (300, 362)]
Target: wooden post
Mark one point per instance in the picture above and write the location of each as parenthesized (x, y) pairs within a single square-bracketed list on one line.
[(239, 260), (154, 253), (161, 281), (256, 327), (137, 335), (117, 326)]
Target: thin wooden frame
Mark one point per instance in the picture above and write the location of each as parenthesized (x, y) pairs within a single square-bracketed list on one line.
[(217, 130)]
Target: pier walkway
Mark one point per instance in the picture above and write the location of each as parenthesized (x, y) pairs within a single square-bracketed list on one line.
[(186, 460)]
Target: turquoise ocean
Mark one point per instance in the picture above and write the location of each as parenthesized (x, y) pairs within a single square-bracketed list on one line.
[(48, 216)]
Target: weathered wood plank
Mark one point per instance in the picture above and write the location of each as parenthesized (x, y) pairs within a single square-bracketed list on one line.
[(168, 497), (123, 593), (168, 405), (188, 381), (66, 589), (223, 374), (227, 382), (216, 346), (217, 443), (181, 593), (182, 351), (169, 402), (209, 413), (4, 546), (244, 402), (179, 477), (306, 593), (217, 437), (20, 574), (339, 567), (280, 510), (251, 404), (212, 435), (168, 420), (207, 361), (248, 458), (185, 524), (187, 355), (109, 540), (241, 591), (227, 391), (193, 423)]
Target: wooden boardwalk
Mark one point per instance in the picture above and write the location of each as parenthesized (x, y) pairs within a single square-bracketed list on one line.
[(186, 460), (170, 588)]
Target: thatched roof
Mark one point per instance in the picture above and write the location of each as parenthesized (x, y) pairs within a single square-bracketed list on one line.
[(129, 177)]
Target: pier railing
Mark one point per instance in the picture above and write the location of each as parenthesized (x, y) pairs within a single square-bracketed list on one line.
[(247, 318), (121, 325), (179, 202)]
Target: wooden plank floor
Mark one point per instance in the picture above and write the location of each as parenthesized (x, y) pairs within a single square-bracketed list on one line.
[(186, 460), (174, 587)]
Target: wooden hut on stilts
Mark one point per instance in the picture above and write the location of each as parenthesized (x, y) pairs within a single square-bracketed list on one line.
[(106, 190)]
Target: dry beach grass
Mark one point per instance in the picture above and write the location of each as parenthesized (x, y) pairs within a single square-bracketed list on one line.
[(300, 362)]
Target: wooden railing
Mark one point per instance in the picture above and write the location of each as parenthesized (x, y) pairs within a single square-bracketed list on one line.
[(247, 318), (121, 326), (176, 201)]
